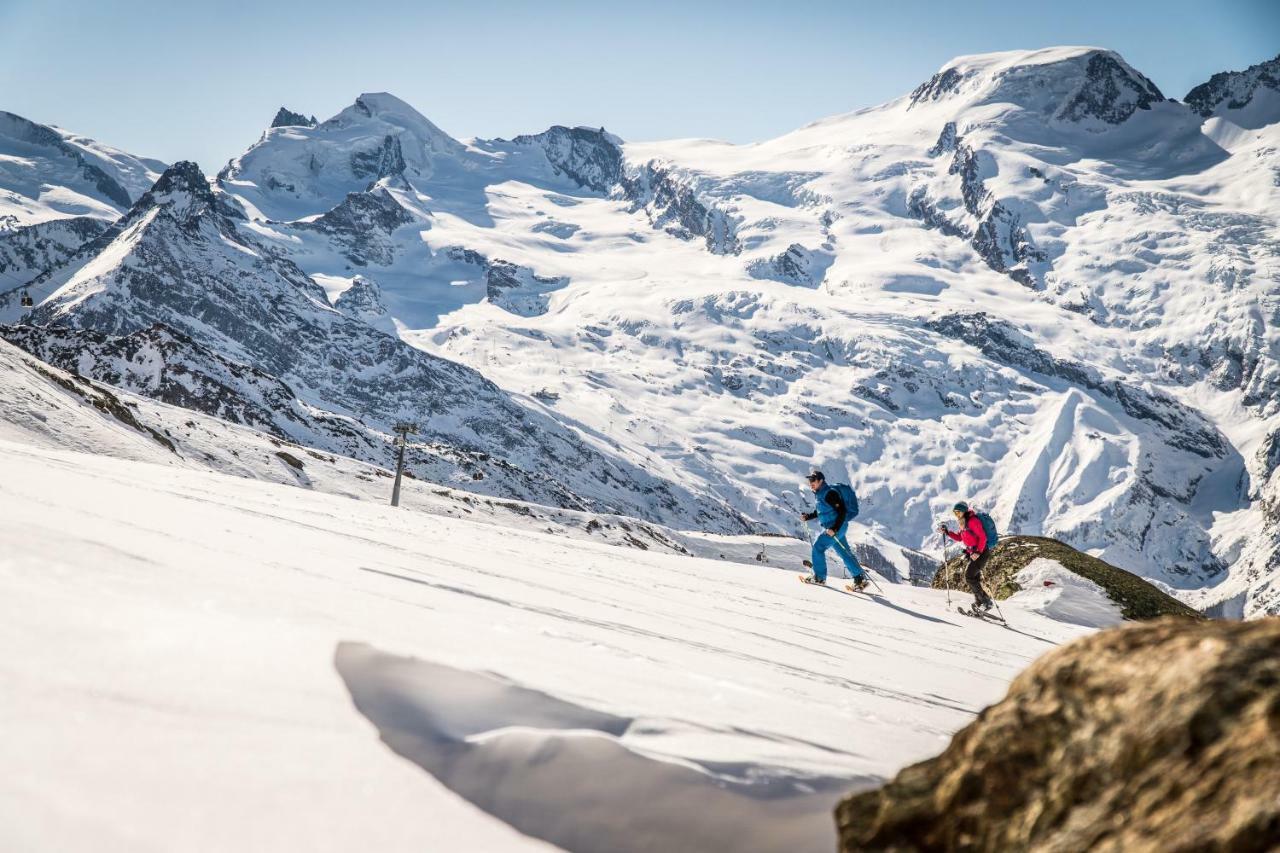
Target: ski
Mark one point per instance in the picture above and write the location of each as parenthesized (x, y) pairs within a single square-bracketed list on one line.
[(985, 617)]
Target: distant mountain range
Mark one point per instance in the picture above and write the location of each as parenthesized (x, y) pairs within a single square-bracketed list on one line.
[(1034, 282)]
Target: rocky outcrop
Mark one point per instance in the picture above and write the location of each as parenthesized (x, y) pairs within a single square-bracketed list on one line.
[(512, 287), (672, 203), (1136, 598), (994, 231), (1230, 91), (944, 83), (361, 227), (590, 158), (947, 140), (385, 161), (1156, 737), (1110, 92), (288, 118), (363, 301), (797, 265), (999, 238)]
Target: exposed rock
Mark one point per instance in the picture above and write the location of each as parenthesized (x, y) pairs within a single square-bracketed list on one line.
[(1110, 92), (288, 118), (944, 83), (513, 287), (590, 158), (672, 203), (1000, 239), (362, 225), (383, 162), (1154, 737), (363, 301), (518, 289), (947, 140), (797, 265), (1235, 90)]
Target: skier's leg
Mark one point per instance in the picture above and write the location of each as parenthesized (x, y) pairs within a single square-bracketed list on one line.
[(973, 574), (846, 554), (819, 556)]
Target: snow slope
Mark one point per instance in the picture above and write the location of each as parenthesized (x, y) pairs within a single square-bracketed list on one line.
[(48, 173), (187, 652)]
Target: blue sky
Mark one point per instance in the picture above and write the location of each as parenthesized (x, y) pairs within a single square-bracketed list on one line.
[(200, 80)]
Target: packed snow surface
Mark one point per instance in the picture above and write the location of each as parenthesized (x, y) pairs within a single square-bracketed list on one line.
[(185, 653)]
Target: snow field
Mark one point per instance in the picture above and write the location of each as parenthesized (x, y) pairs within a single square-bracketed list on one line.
[(171, 670)]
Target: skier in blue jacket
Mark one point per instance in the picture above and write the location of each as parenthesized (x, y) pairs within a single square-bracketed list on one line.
[(833, 513)]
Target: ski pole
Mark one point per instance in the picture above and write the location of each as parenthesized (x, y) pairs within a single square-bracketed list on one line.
[(946, 581)]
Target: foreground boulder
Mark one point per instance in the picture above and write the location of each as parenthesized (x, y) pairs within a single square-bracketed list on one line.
[(1159, 736)]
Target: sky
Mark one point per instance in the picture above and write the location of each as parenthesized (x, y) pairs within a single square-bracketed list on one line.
[(202, 80)]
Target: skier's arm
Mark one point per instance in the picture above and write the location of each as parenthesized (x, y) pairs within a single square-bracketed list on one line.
[(955, 537), (837, 503), (809, 516)]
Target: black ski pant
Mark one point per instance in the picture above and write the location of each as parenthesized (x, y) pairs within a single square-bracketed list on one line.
[(973, 574)]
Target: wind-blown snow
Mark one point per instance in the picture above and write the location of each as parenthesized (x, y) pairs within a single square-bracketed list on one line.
[(1049, 588)]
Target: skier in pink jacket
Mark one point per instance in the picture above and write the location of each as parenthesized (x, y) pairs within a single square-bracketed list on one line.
[(974, 538)]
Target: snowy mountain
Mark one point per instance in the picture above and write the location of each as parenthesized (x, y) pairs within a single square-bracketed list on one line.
[(174, 301), (1034, 282), (58, 190)]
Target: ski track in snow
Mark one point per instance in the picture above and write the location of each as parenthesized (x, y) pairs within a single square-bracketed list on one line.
[(172, 640)]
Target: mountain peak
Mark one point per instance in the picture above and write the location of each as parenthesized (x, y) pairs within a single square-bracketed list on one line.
[(183, 192), (286, 117), (1250, 97), (1072, 84), (390, 110)]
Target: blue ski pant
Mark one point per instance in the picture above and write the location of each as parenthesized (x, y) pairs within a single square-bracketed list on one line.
[(819, 558)]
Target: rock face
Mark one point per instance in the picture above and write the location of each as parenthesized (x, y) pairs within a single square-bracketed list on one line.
[(1230, 92), (361, 227), (672, 203), (286, 117), (590, 158), (1158, 737)]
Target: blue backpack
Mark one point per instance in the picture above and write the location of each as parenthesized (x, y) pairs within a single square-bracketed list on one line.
[(851, 500), (988, 527)]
